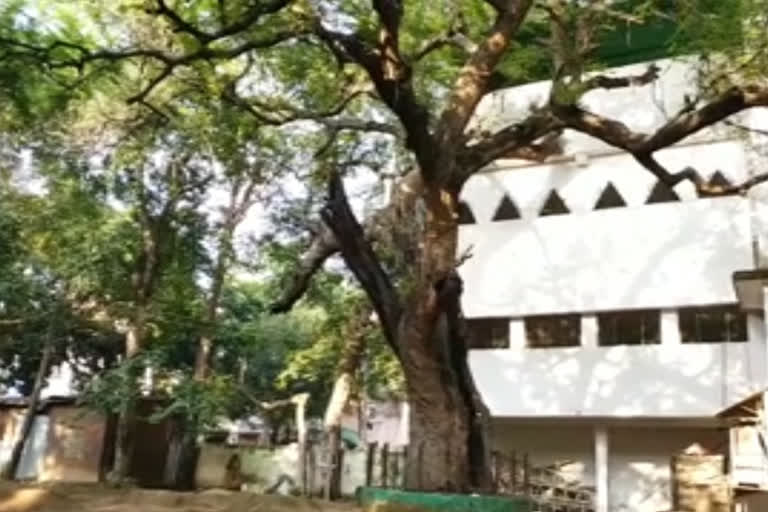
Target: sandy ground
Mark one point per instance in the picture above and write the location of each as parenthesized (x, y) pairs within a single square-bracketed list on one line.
[(98, 498)]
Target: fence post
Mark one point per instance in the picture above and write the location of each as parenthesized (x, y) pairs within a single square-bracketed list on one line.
[(369, 464), (514, 472), (339, 474), (526, 475), (311, 467), (420, 465), (385, 465), (396, 470), (405, 466)]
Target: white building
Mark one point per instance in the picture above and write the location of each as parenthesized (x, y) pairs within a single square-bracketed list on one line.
[(607, 329)]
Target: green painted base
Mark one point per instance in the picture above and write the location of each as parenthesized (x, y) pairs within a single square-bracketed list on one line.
[(392, 500)]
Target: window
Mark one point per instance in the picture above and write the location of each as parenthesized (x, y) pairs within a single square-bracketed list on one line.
[(610, 198), (507, 210), (465, 214), (661, 193), (488, 332), (554, 205), (639, 327), (712, 324), (553, 331)]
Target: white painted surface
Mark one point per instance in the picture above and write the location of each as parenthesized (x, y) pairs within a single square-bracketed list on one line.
[(686, 380), (263, 468), (664, 255), (517, 339), (642, 108), (638, 458), (670, 327), (590, 332), (33, 454), (660, 256), (529, 186), (601, 469), (639, 464), (570, 446)]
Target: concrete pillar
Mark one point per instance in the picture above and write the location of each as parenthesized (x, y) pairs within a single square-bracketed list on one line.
[(669, 327), (517, 338), (589, 334), (765, 332), (601, 468)]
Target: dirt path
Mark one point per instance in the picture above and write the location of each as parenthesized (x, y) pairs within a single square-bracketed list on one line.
[(97, 498)]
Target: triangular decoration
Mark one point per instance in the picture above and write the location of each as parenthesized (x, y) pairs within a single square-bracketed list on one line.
[(507, 210), (610, 198), (718, 180), (554, 205), (465, 214), (661, 193)]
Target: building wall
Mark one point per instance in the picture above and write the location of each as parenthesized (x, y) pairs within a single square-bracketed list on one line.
[(639, 458), (31, 462), (10, 423), (685, 380), (262, 468), (33, 455), (654, 256), (548, 444), (752, 502), (641, 256), (639, 464), (75, 441)]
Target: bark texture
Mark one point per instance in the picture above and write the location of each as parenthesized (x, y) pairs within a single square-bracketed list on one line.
[(447, 416)]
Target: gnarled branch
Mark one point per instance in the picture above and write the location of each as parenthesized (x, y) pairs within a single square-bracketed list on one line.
[(472, 83), (642, 146), (244, 21), (392, 79), (515, 141), (323, 246), (361, 260)]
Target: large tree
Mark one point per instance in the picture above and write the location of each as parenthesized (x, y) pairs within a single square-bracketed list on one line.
[(417, 71)]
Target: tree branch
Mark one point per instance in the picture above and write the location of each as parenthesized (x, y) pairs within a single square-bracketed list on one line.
[(703, 189), (515, 141), (618, 134), (455, 36), (472, 83), (643, 146), (323, 246), (651, 74), (393, 84), (361, 259), (244, 21), (48, 55)]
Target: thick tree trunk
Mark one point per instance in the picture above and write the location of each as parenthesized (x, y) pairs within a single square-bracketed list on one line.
[(447, 429), (181, 461), (426, 331), (447, 418), (9, 471), (127, 422)]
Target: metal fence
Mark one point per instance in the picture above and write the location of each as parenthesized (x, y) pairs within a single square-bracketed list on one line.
[(513, 474)]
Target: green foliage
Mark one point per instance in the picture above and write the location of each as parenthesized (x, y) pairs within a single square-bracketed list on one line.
[(107, 183), (200, 404), (114, 390)]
